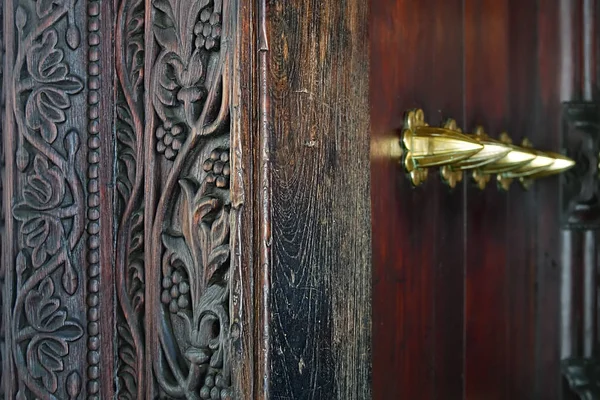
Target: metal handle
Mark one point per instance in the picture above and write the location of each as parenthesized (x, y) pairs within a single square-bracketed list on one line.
[(454, 152)]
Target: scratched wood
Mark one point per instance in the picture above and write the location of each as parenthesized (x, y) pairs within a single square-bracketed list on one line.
[(321, 275)]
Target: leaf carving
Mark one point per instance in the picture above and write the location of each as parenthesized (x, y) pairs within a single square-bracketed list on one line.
[(73, 385), (69, 278), (48, 347), (46, 105)]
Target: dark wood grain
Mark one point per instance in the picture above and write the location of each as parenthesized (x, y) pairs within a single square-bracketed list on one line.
[(320, 291), (245, 198)]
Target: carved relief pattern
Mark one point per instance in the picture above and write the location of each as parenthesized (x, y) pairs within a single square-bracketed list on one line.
[(190, 235), (93, 200), (581, 187), (49, 204), (130, 280)]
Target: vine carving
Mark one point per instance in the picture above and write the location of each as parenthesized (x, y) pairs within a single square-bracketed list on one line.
[(130, 274), (50, 204), (191, 230)]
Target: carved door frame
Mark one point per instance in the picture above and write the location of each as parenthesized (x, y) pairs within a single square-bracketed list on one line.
[(127, 177)]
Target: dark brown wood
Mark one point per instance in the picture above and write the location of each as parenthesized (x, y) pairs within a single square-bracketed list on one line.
[(58, 302), (320, 276), (548, 238), (149, 150)]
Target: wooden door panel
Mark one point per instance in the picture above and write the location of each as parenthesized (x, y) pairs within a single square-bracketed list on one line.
[(487, 289), (407, 224)]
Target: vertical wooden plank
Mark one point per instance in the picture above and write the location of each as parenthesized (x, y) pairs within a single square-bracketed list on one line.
[(520, 247), (129, 256), (445, 90), (192, 203), (486, 102), (321, 274), (4, 376), (416, 61), (245, 333), (403, 258), (555, 63)]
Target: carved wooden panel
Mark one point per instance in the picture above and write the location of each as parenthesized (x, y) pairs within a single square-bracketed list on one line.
[(139, 238), (117, 202), (187, 210), (52, 246), (581, 190)]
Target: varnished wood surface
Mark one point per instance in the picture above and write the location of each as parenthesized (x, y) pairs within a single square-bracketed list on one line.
[(466, 283), (321, 276)]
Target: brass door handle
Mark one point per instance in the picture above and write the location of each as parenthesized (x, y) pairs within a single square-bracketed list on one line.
[(454, 152)]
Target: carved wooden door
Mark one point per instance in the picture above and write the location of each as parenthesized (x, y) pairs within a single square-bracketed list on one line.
[(194, 197), (182, 212), (479, 294)]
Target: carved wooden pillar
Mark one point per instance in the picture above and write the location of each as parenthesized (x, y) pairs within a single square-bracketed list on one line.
[(147, 248), (581, 199)]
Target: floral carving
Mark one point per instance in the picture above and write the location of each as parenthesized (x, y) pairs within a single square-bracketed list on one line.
[(170, 139), (44, 7), (130, 274), (194, 277), (190, 236), (49, 208), (53, 333), (50, 97), (208, 30), (43, 231)]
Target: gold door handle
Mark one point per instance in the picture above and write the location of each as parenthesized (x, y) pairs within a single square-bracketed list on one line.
[(454, 152)]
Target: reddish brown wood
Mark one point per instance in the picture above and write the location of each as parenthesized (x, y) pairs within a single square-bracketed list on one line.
[(403, 258), (524, 113), (486, 102), (444, 91), (500, 336)]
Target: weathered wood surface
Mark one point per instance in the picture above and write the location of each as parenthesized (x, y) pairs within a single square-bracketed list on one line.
[(317, 86)]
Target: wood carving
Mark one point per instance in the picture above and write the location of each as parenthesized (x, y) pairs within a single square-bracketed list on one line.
[(129, 271), (581, 188), (52, 251), (50, 206), (189, 248), (168, 218), (583, 377)]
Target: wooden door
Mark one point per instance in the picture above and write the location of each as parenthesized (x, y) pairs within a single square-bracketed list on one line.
[(185, 199), (189, 210), (467, 282)]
